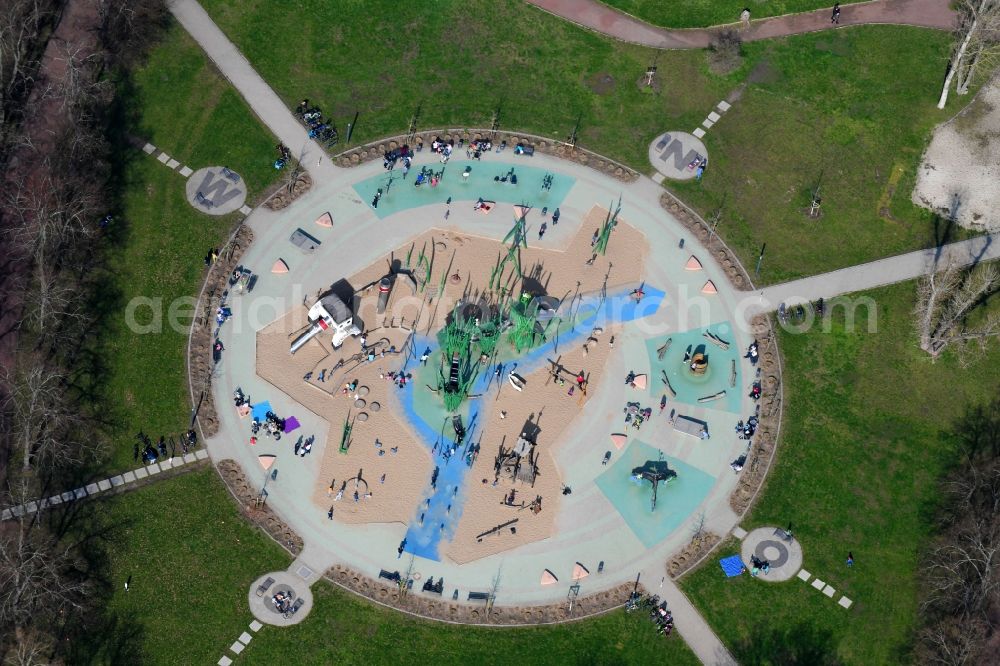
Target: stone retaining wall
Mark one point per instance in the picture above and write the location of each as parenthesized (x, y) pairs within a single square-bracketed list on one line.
[(200, 363), (766, 438), (692, 554), (288, 192), (263, 517), (377, 149), (443, 608)]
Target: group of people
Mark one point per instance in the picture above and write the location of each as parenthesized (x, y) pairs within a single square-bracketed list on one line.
[(636, 414), (390, 157), (427, 175), (144, 448), (284, 156), (273, 426), (304, 447), (222, 313), (400, 379), (746, 430), (319, 128), (659, 613), (282, 601), (758, 565)]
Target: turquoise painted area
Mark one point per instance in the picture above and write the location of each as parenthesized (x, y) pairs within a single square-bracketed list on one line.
[(441, 506), (689, 386), (675, 502), (399, 193)]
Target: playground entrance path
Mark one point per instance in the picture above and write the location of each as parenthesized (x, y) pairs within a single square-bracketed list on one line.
[(600, 18)]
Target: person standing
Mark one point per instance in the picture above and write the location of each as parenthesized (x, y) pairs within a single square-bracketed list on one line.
[(835, 16), (850, 559), (745, 19)]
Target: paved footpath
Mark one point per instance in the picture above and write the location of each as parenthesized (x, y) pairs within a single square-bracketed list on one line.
[(600, 18), (265, 102), (879, 273)]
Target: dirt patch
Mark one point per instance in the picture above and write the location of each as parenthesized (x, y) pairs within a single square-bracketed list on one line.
[(836, 47), (653, 88), (959, 176), (601, 83), (764, 72)]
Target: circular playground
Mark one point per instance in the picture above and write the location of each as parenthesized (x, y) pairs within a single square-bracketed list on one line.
[(493, 381)]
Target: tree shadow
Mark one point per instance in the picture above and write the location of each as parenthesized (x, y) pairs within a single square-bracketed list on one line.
[(801, 643)]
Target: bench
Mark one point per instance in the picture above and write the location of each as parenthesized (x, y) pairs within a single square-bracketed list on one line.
[(265, 586), (783, 535), (295, 607), (479, 596), (389, 575)]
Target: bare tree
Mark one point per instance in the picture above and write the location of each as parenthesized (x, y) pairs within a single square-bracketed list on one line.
[(43, 422), (21, 34), (977, 47), (38, 577), (30, 648), (946, 303), (961, 575)]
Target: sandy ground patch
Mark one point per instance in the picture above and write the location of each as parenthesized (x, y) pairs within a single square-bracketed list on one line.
[(960, 173)]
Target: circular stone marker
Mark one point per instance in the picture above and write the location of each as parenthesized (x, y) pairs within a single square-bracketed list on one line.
[(362, 416), (374, 406), (362, 390), (263, 590), (360, 403), (785, 557), (216, 190), (672, 152)]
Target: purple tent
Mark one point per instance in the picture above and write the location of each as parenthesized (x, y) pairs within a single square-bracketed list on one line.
[(291, 423)]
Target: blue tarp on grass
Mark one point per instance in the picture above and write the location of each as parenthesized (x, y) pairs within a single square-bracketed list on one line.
[(732, 565)]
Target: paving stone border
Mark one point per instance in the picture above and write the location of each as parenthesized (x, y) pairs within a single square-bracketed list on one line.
[(125, 481), (547, 145), (445, 609), (200, 361), (240, 644), (245, 493)]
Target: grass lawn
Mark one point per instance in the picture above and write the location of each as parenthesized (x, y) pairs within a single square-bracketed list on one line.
[(862, 445), (193, 558), (703, 13), (181, 105), (849, 109), (385, 59)]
